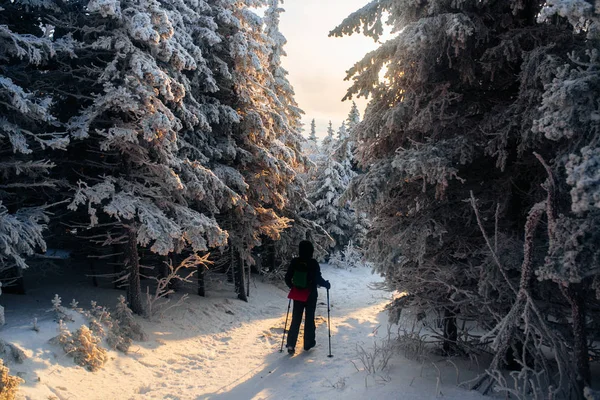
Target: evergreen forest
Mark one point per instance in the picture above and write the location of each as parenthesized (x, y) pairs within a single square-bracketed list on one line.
[(156, 141)]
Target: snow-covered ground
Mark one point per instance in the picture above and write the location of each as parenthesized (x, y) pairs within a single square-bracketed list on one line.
[(222, 348)]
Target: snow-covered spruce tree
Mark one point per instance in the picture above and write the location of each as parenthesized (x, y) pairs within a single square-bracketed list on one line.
[(297, 207), (291, 114), (327, 147), (458, 117), (353, 118), (333, 175), (136, 187), (265, 145), (313, 131), (571, 119), (345, 154), (325, 194), (310, 147), (352, 122), (29, 132)]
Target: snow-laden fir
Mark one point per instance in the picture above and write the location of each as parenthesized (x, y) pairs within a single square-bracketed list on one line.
[(157, 145)]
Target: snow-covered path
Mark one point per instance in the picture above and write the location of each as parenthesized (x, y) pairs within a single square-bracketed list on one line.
[(220, 348), (313, 375)]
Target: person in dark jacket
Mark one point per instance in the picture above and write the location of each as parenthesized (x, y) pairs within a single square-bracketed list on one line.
[(314, 279)]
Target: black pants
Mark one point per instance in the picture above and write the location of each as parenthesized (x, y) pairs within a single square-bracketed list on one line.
[(309, 322)]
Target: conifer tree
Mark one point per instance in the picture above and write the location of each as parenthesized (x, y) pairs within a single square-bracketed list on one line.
[(471, 91), (141, 191), (296, 208), (326, 191), (328, 144), (310, 147), (343, 155), (291, 113), (185, 132), (353, 118), (332, 177), (313, 131), (29, 132), (268, 136)]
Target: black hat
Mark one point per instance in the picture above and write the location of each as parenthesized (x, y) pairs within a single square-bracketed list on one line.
[(306, 250)]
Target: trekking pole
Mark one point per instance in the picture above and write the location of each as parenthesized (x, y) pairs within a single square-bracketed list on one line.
[(285, 325), (329, 324)]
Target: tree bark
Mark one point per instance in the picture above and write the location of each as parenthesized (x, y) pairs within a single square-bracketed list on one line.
[(201, 284), (231, 269), (248, 282), (272, 263), (93, 272), (580, 347), (118, 263), (134, 290), (450, 332), (240, 277)]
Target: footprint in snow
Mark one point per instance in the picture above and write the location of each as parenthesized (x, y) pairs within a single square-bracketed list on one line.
[(278, 330)]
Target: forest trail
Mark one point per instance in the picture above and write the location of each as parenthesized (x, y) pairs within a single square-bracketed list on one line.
[(220, 348)]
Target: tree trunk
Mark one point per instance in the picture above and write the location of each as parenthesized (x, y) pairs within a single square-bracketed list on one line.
[(201, 284), (248, 282), (231, 269), (580, 347), (134, 290), (272, 260), (450, 332), (240, 277), (93, 272), (118, 260)]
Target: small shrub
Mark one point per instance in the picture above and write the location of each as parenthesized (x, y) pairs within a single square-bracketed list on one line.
[(350, 257), (97, 328), (82, 346), (376, 360), (119, 328), (12, 350), (87, 352), (8, 383), (127, 325), (413, 343), (156, 302), (59, 310), (64, 336), (101, 314)]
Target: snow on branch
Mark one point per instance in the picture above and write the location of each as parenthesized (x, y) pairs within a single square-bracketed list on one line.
[(20, 235), (367, 19), (580, 14), (433, 163), (583, 175)]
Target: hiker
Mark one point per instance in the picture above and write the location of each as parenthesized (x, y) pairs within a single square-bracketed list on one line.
[(304, 273)]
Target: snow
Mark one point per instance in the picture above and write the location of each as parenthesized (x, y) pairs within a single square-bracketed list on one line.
[(222, 348)]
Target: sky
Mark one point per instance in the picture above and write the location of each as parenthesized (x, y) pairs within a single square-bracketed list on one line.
[(316, 63)]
